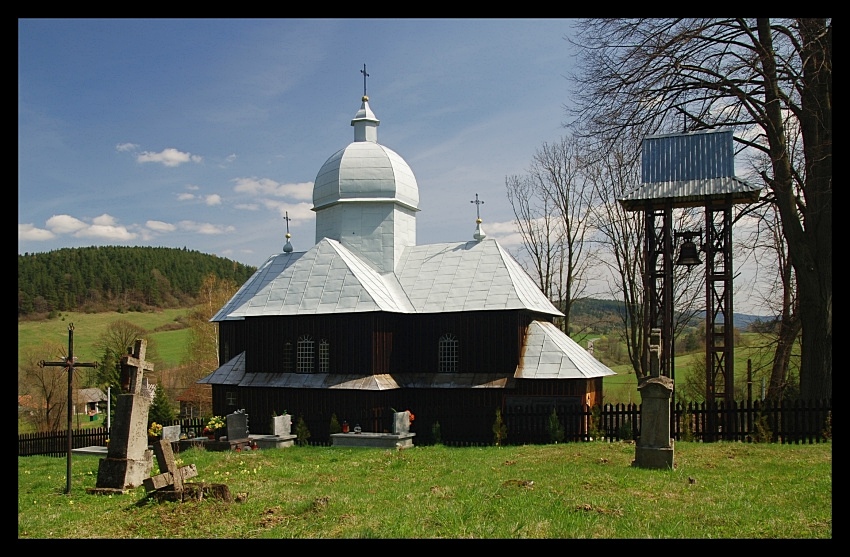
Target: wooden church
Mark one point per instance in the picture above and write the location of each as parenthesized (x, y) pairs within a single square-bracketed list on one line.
[(367, 322)]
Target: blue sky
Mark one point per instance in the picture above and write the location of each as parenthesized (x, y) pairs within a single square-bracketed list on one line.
[(203, 133)]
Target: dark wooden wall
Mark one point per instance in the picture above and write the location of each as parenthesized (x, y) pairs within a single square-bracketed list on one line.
[(371, 343), (465, 415)]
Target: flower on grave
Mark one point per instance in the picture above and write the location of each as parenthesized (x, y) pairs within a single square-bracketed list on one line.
[(214, 423), (155, 430)]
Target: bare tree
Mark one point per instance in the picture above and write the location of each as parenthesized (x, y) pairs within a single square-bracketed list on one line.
[(202, 354), (45, 387), (552, 206), (639, 77)]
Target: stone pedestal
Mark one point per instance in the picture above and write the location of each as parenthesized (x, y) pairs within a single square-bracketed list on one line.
[(654, 447), (366, 439), (281, 436), (128, 460)]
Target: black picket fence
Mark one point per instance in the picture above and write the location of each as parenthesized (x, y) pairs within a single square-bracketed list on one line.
[(55, 443), (748, 421)]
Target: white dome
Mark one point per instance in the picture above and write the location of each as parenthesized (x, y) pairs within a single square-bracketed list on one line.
[(365, 171)]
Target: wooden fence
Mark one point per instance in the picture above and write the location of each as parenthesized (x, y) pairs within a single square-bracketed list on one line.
[(749, 421)]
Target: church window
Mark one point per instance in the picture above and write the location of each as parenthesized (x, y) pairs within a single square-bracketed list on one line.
[(324, 356), (448, 353), (305, 354), (230, 396), (287, 357)]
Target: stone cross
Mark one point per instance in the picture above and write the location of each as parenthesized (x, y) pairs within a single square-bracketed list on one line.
[(655, 352), (170, 474), (133, 367), (128, 461)]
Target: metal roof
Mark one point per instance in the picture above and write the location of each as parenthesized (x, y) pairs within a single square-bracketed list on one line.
[(689, 169), (329, 278), (548, 353)]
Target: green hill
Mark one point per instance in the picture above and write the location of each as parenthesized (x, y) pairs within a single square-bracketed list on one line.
[(116, 278)]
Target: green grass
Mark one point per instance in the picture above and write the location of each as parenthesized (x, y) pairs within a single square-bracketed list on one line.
[(574, 490), (171, 344)]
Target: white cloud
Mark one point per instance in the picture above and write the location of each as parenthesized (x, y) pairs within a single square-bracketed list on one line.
[(266, 186), (213, 199), (123, 147), (205, 227), (185, 196), (29, 232), (247, 206), (159, 226), (106, 232), (64, 224), (168, 157), (192, 187)]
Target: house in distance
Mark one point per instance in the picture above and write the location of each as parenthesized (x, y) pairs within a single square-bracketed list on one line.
[(367, 321)]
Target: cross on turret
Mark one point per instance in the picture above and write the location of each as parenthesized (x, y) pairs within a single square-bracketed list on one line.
[(477, 211), (365, 75)]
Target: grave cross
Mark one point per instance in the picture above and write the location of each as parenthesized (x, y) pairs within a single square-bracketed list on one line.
[(133, 366), (171, 475), (69, 363)]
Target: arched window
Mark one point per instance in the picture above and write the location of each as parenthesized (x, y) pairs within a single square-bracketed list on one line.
[(287, 357), (448, 349), (305, 354), (324, 356)]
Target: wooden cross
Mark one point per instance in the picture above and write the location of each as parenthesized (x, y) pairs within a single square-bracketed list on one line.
[(171, 475), (133, 367), (477, 212), (365, 75), (69, 363)]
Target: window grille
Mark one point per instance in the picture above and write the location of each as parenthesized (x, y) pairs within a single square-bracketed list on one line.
[(287, 357), (324, 356), (305, 354), (448, 357)]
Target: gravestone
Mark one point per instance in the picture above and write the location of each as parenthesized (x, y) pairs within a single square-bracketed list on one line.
[(401, 423), (654, 447), (281, 425), (170, 433), (281, 436), (128, 460), (237, 426)]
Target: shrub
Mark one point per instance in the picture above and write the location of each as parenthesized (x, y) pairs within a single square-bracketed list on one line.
[(436, 434), (301, 431), (334, 427), (556, 430), (500, 429), (595, 426), (625, 432), (763, 433)]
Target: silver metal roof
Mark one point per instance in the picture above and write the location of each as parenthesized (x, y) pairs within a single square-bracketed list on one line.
[(550, 354), (688, 170), (329, 278)]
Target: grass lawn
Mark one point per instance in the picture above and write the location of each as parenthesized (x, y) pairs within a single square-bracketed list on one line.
[(573, 490)]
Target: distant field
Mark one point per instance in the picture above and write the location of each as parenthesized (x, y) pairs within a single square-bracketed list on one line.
[(171, 345)]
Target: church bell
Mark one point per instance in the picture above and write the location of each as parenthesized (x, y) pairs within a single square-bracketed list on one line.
[(688, 253)]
